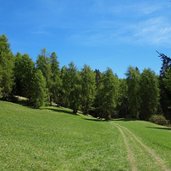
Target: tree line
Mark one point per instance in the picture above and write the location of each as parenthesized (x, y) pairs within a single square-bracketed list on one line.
[(101, 94)]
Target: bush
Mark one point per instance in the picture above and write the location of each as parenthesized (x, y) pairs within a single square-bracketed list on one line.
[(158, 119)]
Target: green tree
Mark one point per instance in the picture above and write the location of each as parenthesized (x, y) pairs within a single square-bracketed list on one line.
[(149, 94), (39, 90), (74, 87), (64, 89), (71, 87), (165, 93), (123, 99), (167, 79), (133, 82), (43, 64), (88, 87), (108, 94), (55, 79), (0, 81), (23, 75), (6, 65)]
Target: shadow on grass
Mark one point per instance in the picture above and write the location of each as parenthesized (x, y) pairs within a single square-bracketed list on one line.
[(95, 120), (124, 119), (161, 128), (59, 110), (103, 120)]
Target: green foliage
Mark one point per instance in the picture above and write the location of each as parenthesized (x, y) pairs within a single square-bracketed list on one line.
[(0, 81), (55, 79), (64, 90), (71, 87), (149, 94), (158, 119), (167, 80), (108, 94), (74, 88), (133, 82), (39, 90), (165, 93), (23, 75), (43, 64), (88, 87), (6, 65), (123, 99)]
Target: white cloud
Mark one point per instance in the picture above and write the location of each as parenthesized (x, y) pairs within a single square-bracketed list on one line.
[(155, 31)]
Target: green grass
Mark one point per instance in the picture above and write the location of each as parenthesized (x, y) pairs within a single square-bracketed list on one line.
[(54, 139), (156, 137)]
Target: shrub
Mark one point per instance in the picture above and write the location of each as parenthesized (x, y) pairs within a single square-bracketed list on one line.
[(158, 119)]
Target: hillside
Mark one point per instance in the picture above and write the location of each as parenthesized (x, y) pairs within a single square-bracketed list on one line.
[(54, 139)]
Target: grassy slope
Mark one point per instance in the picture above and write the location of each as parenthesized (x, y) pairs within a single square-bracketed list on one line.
[(53, 140), (155, 136)]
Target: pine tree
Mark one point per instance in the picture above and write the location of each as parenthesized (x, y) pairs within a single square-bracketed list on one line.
[(88, 87), (39, 90), (71, 87), (55, 79), (43, 64), (6, 63), (108, 95), (133, 82), (149, 94), (165, 94), (64, 89), (23, 75)]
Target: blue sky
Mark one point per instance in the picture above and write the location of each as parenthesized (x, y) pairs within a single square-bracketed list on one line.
[(100, 33)]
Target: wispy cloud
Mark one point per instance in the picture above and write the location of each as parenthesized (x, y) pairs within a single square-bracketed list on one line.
[(153, 31)]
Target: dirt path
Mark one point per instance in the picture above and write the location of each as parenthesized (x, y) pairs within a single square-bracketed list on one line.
[(130, 153), (151, 152)]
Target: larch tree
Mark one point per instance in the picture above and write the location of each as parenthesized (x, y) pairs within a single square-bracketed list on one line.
[(39, 90), (165, 93), (7, 64), (133, 82), (43, 64), (74, 87), (108, 94), (88, 88), (149, 94), (23, 75), (55, 79)]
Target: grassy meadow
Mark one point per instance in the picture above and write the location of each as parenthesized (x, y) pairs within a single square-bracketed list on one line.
[(53, 138)]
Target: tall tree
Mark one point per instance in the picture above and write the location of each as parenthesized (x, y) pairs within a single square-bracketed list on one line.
[(88, 87), (133, 82), (98, 76), (6, 64), (43, 64), (149, 94), (55, 79), (23, 75), (123, 99), (74, 87), (71, 87), (0, 81), (39, 90), (64, 89), (108, 94), (165, 94)]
